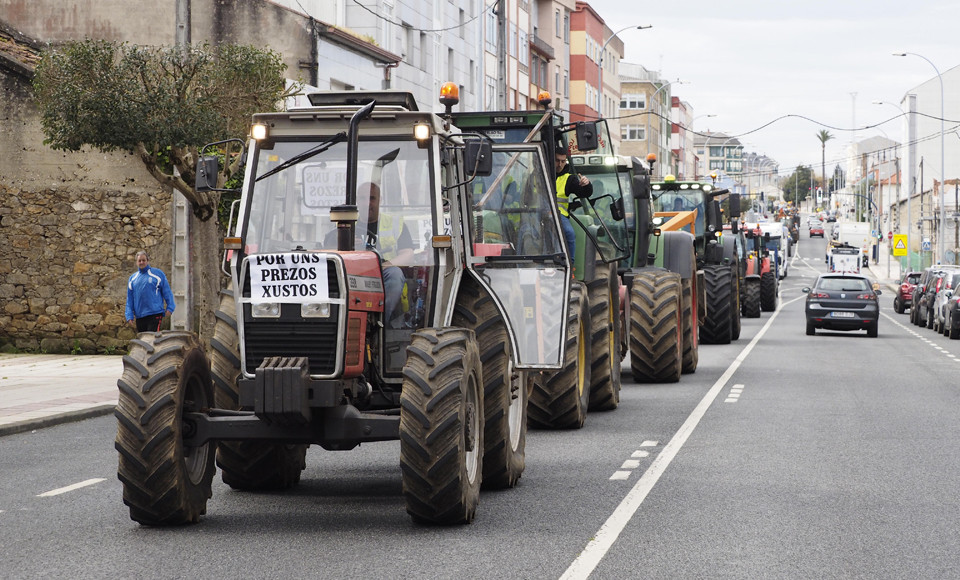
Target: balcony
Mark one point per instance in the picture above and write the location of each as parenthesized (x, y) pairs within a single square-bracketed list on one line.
[(541, 46)]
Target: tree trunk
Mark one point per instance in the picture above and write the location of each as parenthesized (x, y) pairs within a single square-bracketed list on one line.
[(206, 254)]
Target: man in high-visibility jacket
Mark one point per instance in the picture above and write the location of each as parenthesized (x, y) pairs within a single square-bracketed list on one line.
[(579, 186)]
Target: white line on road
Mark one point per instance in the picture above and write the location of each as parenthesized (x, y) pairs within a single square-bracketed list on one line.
[(620, 475), (608, 533), (60, 490), (639, 453)]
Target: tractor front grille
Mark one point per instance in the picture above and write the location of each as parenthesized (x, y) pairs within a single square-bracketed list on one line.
[(314, 339)]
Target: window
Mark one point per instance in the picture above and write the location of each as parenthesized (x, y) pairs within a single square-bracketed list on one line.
[(491, 99), (716, 151), (406, 49), (556, 80), (451, 72), (460, 22), (424, 64), (491, 32), (566, 28), (524, 48), (716, 163), (556, 22), (632, 133), (633, 101), (513, 40)]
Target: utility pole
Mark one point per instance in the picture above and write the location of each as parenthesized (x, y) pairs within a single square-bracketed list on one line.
[(911, 155), (181, 272), (501, 11)]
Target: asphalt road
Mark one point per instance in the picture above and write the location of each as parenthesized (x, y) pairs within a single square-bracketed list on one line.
[(783, 456)]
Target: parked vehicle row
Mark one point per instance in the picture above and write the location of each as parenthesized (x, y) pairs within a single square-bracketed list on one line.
[(932, 300)]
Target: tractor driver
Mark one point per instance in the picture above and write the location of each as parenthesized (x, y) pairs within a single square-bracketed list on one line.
[(388, 236)]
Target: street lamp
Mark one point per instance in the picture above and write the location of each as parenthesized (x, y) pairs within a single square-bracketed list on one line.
[(646, 132), (899, 186), (941, 238), (603, 51)]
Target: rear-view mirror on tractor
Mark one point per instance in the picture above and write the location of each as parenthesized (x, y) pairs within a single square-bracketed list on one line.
[(478, 158), (208, 168), (587, 139)]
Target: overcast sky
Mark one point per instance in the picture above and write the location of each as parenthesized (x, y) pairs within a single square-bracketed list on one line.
[(751, 62)]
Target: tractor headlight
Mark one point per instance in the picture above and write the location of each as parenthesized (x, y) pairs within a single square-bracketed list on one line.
[(265, 310), (315, 310)]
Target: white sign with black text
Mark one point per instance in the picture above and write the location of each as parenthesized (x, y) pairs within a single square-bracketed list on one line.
[(297, 278)]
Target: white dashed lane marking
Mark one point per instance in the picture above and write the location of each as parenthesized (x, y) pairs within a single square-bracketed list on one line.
[(734, 395), (629, 465), (73, 487), (912, 331)]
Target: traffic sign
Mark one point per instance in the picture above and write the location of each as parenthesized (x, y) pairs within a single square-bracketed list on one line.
[(900, 245), (926, 246), (889, 235)]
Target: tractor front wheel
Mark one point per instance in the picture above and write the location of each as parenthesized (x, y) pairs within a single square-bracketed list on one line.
[(165, 376), (441, 426)]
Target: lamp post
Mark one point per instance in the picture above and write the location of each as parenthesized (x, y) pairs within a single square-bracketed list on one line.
[(646, 132), (603, 51), (690, 128), (899, 108), (943, 210)]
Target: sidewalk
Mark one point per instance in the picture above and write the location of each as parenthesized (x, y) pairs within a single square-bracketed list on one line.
[(887, 270), (39, 390)]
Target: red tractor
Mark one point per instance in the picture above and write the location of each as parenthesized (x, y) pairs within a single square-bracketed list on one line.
[(370, 299), (761, 289)]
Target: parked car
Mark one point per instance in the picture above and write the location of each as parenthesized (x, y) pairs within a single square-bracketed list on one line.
[(816, 229), (842, 302), (923, 303), (948, 285), (928, 276), (951, 323), (904, 297)]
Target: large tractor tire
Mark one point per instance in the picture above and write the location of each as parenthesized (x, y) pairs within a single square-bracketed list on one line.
[(504, 389), (690, 313), (245, 465), (717, 326), (165, 376), (441, 426), (561, 399), (735, 324), (605, 357), (655, 327), (768, 291), (751, 298)]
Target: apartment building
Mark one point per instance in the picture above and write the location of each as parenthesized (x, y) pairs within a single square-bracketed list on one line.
[(645, 123), (718, 152)]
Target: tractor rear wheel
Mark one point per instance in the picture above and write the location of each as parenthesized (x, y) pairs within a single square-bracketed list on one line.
[(690, 314), (246, 465), (561, 399), (655, 327), (504, 389), (768, 291), (751, 298), (605, 357), (165, 376), (735, 324), (716, 328), (441, 426)]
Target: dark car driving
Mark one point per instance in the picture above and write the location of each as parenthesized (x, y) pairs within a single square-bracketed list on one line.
[(842, 302)]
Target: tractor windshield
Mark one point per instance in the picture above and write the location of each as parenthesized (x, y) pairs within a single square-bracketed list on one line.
[(291, 207), (676, 200)]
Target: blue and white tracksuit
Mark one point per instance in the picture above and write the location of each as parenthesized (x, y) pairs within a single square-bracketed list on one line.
[(147, 291)]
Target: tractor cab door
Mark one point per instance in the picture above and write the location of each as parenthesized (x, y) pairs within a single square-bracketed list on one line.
[(515, 250)]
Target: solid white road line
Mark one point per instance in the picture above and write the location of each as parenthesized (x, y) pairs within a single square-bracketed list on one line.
[(60, 490), (608, 533)]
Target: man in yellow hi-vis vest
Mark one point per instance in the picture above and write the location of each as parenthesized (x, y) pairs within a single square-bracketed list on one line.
[(579, 186)]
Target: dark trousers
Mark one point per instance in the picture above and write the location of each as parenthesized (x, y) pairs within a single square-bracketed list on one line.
[(149, 323)]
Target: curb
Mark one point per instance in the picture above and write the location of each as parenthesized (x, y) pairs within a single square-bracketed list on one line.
[(58, 419)]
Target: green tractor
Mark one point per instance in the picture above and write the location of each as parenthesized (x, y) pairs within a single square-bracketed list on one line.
[(694, 207), (595, 261)]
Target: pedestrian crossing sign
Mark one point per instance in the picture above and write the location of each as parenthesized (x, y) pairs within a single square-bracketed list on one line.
[(899, 245)]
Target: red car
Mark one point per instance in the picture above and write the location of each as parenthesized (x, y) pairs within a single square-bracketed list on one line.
[(904, 297), (816, 230)]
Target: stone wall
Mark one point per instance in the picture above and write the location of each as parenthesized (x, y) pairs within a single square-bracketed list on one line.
[(65, 255), (70, 226)]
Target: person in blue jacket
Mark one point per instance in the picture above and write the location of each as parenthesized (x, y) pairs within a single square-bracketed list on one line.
[(149, 297)]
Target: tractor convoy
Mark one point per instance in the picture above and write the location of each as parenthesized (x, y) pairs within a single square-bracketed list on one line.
[(395, 274)]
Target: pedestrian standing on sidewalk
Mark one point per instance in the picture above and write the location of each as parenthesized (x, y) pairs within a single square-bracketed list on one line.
[(148, 296)]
